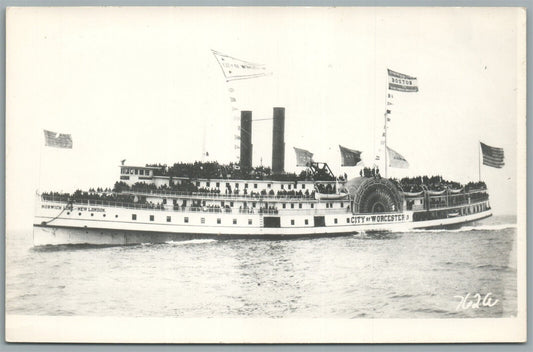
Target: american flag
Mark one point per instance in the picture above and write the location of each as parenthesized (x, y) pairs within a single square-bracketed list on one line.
[(492, 156), (57, 140)]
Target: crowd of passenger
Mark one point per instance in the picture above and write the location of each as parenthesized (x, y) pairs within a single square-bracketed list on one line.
[(325, 189), (233, 171), (206, 208), (471, 186), (436, 184), (56, 196), (479, 196), (187, 187), (261, 210), (100, 190), (292, 194), (268, 210), (92, 195), (369, 172)]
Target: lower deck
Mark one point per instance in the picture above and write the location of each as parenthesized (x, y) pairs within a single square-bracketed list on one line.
[(63, 224)]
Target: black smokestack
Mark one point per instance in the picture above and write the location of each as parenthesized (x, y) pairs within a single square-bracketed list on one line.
[(246, 140), (278, 141)]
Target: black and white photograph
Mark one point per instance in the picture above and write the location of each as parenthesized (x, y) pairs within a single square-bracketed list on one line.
[(265, 174)]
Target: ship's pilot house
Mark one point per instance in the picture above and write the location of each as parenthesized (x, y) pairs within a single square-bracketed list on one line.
[(133, 174)]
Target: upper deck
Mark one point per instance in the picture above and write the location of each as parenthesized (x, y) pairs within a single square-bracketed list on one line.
[(214, 176)]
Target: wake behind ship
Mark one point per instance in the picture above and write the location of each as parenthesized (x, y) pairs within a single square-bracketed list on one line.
[(156, 203)]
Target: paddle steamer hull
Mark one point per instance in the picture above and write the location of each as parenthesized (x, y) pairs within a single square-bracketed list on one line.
[(60, 224)]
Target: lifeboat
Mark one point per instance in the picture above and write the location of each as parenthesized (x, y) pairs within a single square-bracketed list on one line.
[(330, 196)]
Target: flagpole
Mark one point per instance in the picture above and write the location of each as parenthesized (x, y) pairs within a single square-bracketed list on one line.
[(479, 160), (385, 125), (385, 157), (40, 161)]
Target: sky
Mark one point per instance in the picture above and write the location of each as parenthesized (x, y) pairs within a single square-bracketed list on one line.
[(141, 84)]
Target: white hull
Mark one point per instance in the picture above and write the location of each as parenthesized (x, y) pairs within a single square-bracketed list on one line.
[(121, 230)]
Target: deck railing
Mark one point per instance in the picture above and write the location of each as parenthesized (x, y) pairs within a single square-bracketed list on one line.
[(203, 209), (94, 202), (214, 195)]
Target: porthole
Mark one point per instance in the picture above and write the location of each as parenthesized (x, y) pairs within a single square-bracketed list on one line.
[(68, 212), (103, 215), (79, 214)]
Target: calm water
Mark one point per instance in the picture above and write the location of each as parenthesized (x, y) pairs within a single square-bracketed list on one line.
[(400, 275)]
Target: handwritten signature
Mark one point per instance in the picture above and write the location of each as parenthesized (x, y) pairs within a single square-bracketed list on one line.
[(475, 301)]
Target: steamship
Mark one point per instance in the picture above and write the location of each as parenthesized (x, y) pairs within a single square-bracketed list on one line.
[(157, 204)]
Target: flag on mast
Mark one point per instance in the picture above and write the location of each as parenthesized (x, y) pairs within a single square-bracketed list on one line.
[(237, 69), (492, 156), (349, 157), (396, 159), (303, 157), (234, 68), (57, 140), (402, 83)]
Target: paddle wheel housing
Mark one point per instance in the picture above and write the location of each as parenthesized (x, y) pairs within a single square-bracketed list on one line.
[(374, 195)]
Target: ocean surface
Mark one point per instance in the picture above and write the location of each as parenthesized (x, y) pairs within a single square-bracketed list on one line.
[(420, 274)]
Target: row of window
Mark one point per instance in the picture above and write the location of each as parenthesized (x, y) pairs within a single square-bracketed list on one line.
[(330, 205), (284, 205), (186, 219), (132, 171), (92, 214), (234, 221), (335, 221)]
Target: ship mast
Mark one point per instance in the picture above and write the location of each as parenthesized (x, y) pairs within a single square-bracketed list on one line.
[(385, 117), (385, 142)]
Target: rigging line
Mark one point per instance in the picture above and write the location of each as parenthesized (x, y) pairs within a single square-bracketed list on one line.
[(69, 206), (243, 130), (263, 119)]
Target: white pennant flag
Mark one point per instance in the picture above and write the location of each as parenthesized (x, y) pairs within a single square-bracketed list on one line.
[(234, 68), (396, 159)]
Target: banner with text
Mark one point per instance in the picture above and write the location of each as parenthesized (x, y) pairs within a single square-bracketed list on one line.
[(234, 68), (403, 83)]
